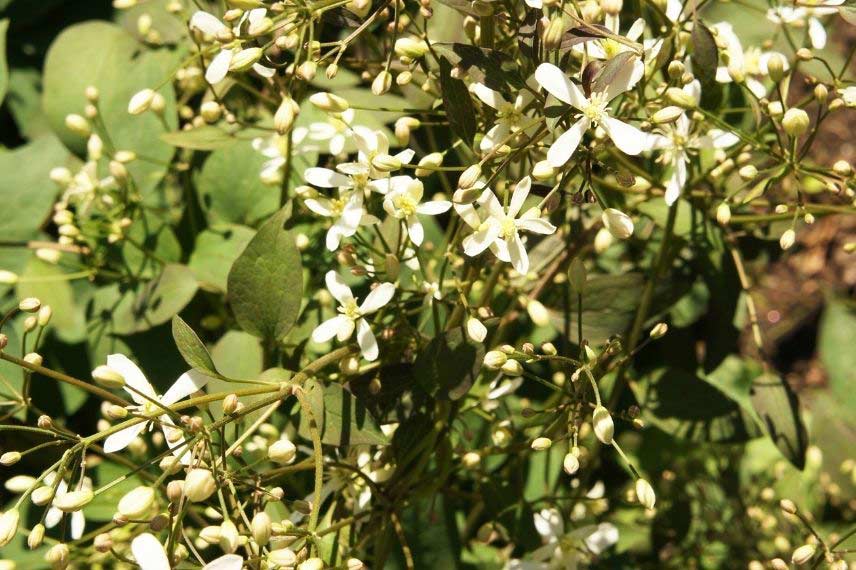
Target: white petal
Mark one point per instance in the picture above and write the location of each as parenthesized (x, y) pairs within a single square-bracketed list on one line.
[(563, 147), (517, 252), (405, 156), (494, 136), (677, 181), (227, 562), (340, 291), (266, 72), (334, 236), (121, 439), (206, 23), (366, 340), (627, 138), (817, 33), (52, 517), (377, 298), (756, 87), (674, 9), (177, 444), (219, 67), (434, 207), (134, 377), (415, 230), (521, 191), (636, 30), (476, 243), (557, 84), (321, 206), (345, 331), (488, 96), (329, 328), (78, 524), (549, 524), (187, 383), (625, 79), (325, 178), (535, 225), (149, 553)]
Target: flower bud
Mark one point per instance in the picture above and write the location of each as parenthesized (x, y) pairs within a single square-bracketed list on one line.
[(245, 59), (803, 554), (141, 101), (788, 506), (42, 496), (10, 458), (787, 240), (466, 196), (261, 527), (211, 111), (30, 305), (306, 71), (282, 451), (666, 115), (19, 483), (659, 330), (329, 102), (778, 564), (73, 500), (33, 358), (386, 163), (512, 368), (78, 125), (199, 485), (136, 503), (284, 117), (382, 83), (44, 315), (676, 69), (108, 377), (748, 172), (311, 564), (229, 537), (541, 443), (571, 463), (476, 330), (604, 429), (552, 37), (471, 460), (538, 313), (723, 213), (37, 535), (432, 160), (543, 171), (410, 47), (282, 558), (842, 168), (355, 564), (495, 359), (58, 556), (617, 223), (645, 493), (821, 93), (776, 67), (679, 97), (795, 122), (469, 177), (8, 526)]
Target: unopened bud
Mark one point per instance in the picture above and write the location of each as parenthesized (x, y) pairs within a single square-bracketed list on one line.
[(469, 177), (282, 451), (199, 485), (776, 67), (645, 493), (136, 503), (141, 102), (617, 223), (261, 527), (787, 240), (666, 115), (543, 170), (108, 377), (30, 305), (245, 59), (382, 83), (432, 160), (604, 429), (795, 122), (659, 330), (571, 463), (723, 213), (78, 125), (541, 443), (230, 404), (681, 98), (73, 500), (329, 102), (803, 554), (495, 359), (512, 368)]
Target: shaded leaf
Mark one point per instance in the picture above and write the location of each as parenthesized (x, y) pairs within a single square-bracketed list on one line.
[(778, 408), (610, 70), (449, 365), (216, 250), (837, 330), (341, 418), (4, 66), (206, 137), (458, 104), (265, 284), (191, 347)]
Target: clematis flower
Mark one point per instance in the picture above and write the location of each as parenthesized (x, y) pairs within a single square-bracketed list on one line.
[(336, 131), (223, 61), (500, 230), (403, 202), (509, 116), (810, 13), (275, 149), (565, 549), (594, 111), (749, 65), (372, 144), (136, 384), (677, 143), (607, 48), (352, 316), (150, 554), (54, 515)]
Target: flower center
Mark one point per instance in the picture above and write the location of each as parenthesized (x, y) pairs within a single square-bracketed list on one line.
[(350, 310), (507, 228), (405, 205), (337, 205), (611, 48), (595, 109)]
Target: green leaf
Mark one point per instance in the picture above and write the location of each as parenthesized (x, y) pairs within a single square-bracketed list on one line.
[(104, 55), (458, 104), (129, 311), (837, 331), (449, 365), (265, 284), (48, 283), (206, 137), (341, 418), (26, 190), (169, 28), (432, 536), (191, 348), (778, 407), (103, 506), (4, 66), (239, 355), (216, 250), (705, 59)]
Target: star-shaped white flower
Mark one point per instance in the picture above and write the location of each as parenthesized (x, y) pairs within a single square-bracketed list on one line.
[(750, 64), (594, 112), (54, 514), (275, 149), (498, 228), (372, 144), (352, 316), (222, 62), (150, 554), (509, 116), (403, 202), (143, 393), (810, 12)]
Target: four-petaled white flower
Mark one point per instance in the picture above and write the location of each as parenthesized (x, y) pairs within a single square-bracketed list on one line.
[(54, 514), (510, 117), (222, 62), (565, 550), (150, 554), (594, 111), (143, 393), (352, 316), (810, 12), (677, 142), (275, 149), (403, 202), (749, 65), (371, 144), (498, 228)]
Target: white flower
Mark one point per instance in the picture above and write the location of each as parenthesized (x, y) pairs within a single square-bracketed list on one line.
[(352, 316), (810, 12), (403, 202), (275, 149), (677, 142), (372, 144), (607, 48), (500, 230), (594, 111), (565, 550), (150, 554), (509, 116), (54, 514), (848, 95), (136, 384), (210, 25), (335, 131), (750, 65)]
